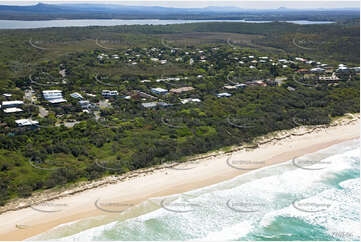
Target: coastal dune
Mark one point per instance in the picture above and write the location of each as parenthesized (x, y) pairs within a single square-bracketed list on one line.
[(116, 195)]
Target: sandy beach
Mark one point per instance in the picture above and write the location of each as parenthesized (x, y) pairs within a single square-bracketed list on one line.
[(26, 222)]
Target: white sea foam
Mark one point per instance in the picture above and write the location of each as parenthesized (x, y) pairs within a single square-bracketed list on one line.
[(270, 190)]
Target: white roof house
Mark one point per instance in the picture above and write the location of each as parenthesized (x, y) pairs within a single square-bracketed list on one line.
[(12, 103), (90, 95), (230, 87), (107, 93), (159, 90), (26, 122), (342, 68), (58, 100), (149, 105), (188, 100), (300, 59), (53, 96), (240, 85), (12, 110), (224, 94), (317, 69), (76, 95)]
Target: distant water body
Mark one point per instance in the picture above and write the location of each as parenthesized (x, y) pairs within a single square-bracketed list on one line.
[(288, 201), (18, 24)]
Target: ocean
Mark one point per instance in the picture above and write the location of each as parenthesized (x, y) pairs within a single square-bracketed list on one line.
[(314, 197)]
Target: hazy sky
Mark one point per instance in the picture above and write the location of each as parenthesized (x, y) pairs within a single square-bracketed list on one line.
[(265, 4)]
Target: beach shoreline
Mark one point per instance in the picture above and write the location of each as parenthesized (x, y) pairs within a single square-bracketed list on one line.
[(22, 221)]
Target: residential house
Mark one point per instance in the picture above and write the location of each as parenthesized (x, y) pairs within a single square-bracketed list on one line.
[(159, 91), (280, 80), (163, 104), (229, 87), (300, 59), (135, 94), (224, 94), (342, 68), (182, 89), (53, 96), (241, 85), (317, 70), (256, 83), (291, 89), (10, 104), (85, 104), (26, 122), (110, 93), (283, 61), (149, 105), (12, 110), (76, 95), (190, 100)]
